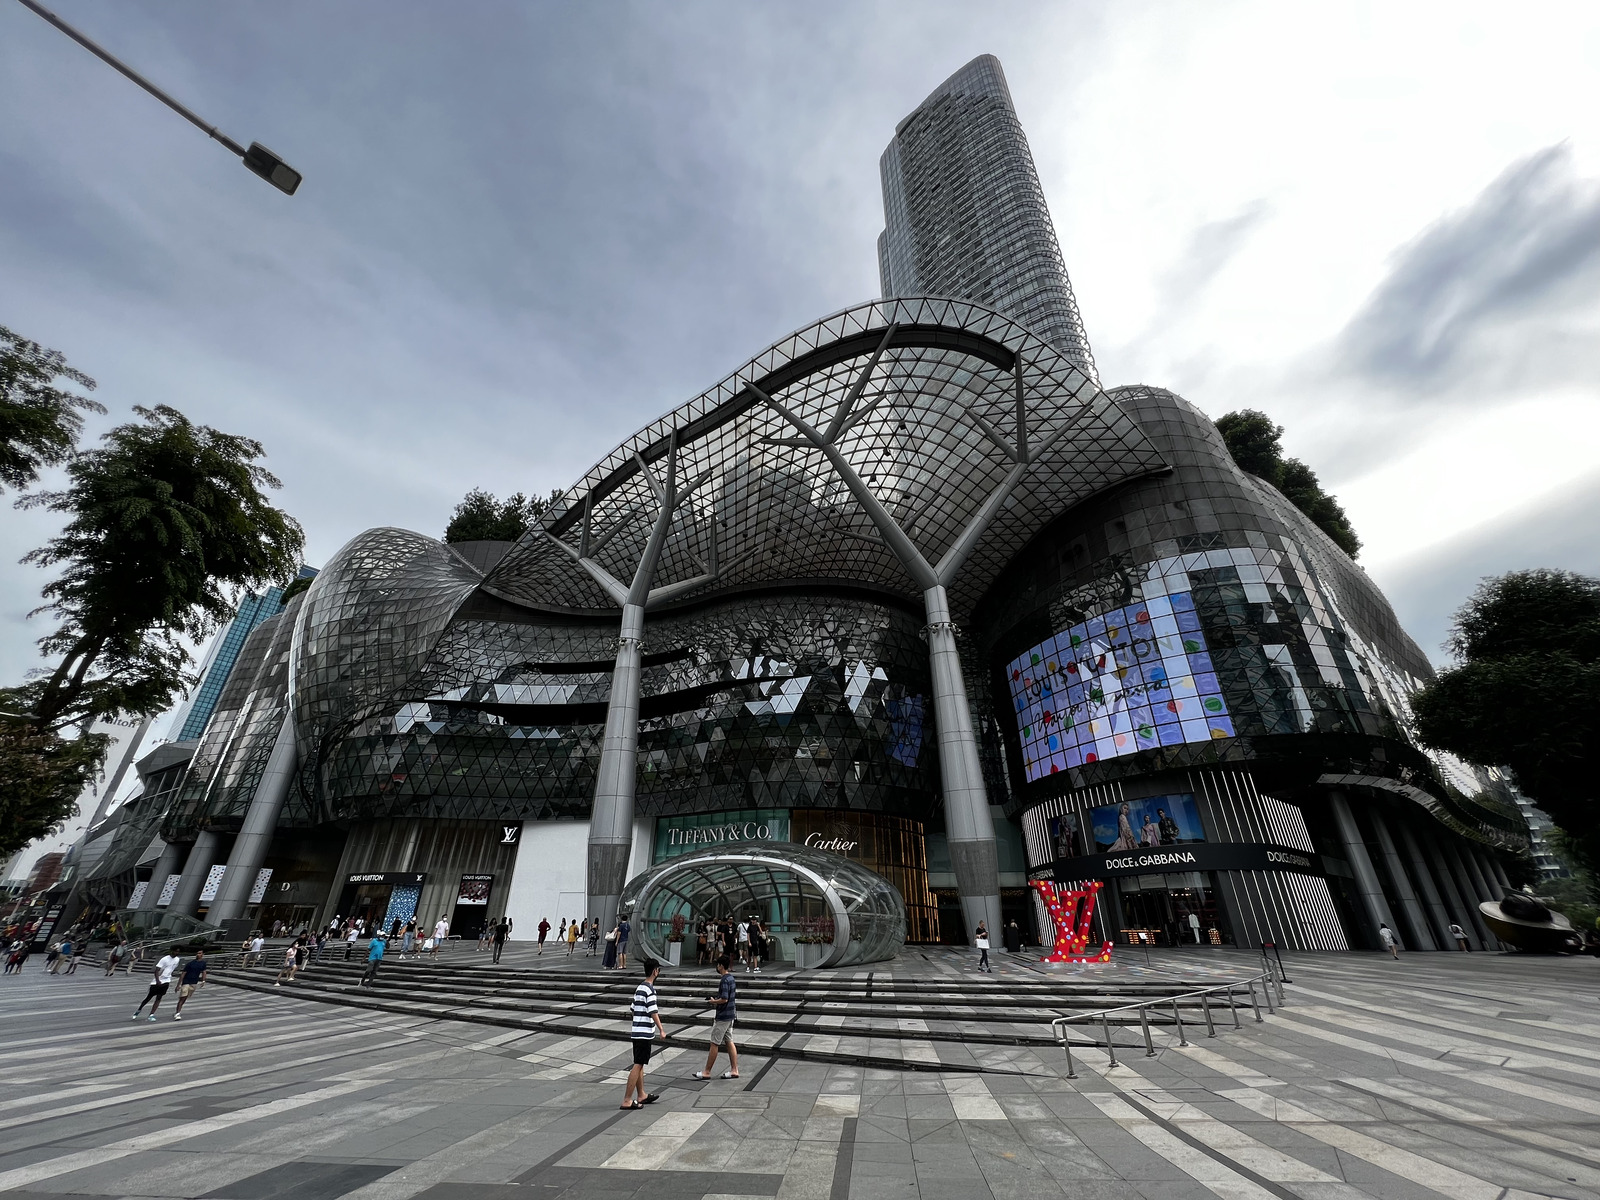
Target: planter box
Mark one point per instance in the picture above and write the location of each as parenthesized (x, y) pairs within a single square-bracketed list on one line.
[(674, 953), (808, 956)]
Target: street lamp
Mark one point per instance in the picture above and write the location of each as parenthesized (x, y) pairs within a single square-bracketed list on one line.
[(257, 158)]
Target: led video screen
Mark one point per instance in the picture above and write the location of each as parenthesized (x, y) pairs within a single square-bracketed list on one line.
[(1132, 679), (1139, 824)]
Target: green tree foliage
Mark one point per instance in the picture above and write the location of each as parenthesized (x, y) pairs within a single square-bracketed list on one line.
[(1526, 693), (296, 586), (41, 777), (482, 518), (1257, 446), (39, 422)]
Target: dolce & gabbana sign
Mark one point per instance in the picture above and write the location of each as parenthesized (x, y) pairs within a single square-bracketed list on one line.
[(1192, 856)]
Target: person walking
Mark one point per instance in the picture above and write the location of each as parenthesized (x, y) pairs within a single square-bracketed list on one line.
[(302, 951), (159, 983), (744, 943), (322, 944), (544, 932), (758, 943), (572, 937), (624, 931), (502, 930), (441, 930), (1390, 942), (609, 962), (409, 939), (1460, 936), (646, 1024), (194, 975), (115, 955), (1013, 938), (594, 936), (54, 954), (726, 1001), (981, 940), (291, 964), (375, 949), (79, 949), (701, 954), (350, 939)]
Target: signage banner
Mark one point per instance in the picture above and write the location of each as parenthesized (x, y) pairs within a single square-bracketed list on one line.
[(258, 890), (1195, 856), (208, 890), (139, 890), (406, 878), (474, 890), (510, 833)]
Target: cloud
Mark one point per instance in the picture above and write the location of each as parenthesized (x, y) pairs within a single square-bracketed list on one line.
[(1558, 531), (1501, 293), (1211, 247)]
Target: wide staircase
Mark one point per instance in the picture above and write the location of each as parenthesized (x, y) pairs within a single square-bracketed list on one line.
[(917, 1013)]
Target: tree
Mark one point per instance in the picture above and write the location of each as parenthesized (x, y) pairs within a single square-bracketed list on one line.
[(1256, 445), (167, 525), (482, 518), (1526, 693), (39, 422)]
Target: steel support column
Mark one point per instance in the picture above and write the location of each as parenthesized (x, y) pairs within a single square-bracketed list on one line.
[(1416, 924), (195, 868), (1430, 892), (255, 835), (616, 780), (1373, 902), (1471, 892)]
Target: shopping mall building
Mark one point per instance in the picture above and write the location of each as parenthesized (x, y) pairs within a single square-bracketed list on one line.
[(909, 590)]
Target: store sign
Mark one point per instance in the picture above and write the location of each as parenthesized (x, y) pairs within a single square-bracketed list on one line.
[(474, 890), (817, 842), (1199, 856), (510, 834), (406, 878), (707, 835)]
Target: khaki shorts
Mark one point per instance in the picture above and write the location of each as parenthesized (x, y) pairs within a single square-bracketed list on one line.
[(722, 1032), (185, 990)]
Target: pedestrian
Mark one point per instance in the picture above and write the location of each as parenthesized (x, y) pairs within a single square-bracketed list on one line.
[(646, 1024), (726, 1001), (502, 930), (255, 951), (544, 932), (375, 949), (322, 943), (291, 963), (981, 940), (609, 962), (409, 938), (79, 949), (572, 937), (302, 951), (441, 930), (744, 943), (16, 956), (623, 930), (52, 956), (1013, 936), (758, 943), (115, 955), (1390, 942), (701, 954), (160, 981), (594, 936), (194, 975), (1460, 936)]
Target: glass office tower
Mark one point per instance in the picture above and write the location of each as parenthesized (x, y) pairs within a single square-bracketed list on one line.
[(964, 215)]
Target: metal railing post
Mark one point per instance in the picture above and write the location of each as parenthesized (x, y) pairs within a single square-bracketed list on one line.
[(1177, 1015), (1266, 991), (1205, 1007), (1066, 1045), (1144, 1023), (1253, 1002), (1111, 1052)]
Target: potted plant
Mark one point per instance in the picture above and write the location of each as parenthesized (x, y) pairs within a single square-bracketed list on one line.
[(675, 940), (812, 944)]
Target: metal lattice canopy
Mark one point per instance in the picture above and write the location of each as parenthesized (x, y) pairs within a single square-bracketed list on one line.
[(930, 401)]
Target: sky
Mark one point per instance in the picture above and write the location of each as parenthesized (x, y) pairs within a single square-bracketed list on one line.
[(527, 229)]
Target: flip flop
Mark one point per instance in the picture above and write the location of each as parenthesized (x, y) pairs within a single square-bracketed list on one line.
[(628, 1107), (699, 1075), (730, 1074), (650, 1099)]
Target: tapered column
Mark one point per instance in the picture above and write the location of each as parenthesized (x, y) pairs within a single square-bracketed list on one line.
[(255, 835), (169, 863), (1497, 873), (195, 868), (611, 822), (1430, 893), (1416, 923), (1455, 898), (1373, 903), (968, 822), (1472, 893), (1480, 882)]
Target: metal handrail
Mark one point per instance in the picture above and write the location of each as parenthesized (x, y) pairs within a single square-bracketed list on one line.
[(1268, 979)]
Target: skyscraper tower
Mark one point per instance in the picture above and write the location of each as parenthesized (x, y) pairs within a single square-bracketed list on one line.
[(965, 216)]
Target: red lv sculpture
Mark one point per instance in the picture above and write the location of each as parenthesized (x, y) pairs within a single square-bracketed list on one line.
[(1071, 911)]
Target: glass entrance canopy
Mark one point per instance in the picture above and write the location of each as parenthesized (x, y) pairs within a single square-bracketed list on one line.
[(797, 892)]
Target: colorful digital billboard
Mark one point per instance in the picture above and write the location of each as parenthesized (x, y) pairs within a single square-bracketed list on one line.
[(1141, 824), (1132, 679)]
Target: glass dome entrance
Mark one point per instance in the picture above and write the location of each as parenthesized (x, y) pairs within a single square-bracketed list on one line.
[(797, 893)]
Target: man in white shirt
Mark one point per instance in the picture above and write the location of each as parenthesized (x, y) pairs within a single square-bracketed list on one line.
[(441, 930), (162, 980), (257, 945), (744, 943)]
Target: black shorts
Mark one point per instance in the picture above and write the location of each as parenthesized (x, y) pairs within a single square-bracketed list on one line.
[(641, 1051), (157, 989)]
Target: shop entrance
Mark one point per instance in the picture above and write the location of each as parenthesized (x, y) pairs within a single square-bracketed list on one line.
[(1172, 910), (293, 917), (381, 899)]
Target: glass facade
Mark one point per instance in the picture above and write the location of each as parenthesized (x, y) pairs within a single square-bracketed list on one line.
[(964, 214)]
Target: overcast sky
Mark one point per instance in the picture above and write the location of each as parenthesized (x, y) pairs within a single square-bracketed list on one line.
[(527, 229)]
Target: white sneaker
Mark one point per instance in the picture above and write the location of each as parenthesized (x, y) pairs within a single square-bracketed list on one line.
[(177, 1016), (135, 1016), (152, 1016)]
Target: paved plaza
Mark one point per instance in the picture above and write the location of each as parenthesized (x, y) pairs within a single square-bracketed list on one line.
[(1475, 1077)]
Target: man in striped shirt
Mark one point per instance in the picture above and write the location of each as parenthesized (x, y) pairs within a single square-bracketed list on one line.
[(646, 1024)]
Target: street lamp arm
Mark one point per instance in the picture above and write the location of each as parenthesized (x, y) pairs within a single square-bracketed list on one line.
[(112, 60)]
